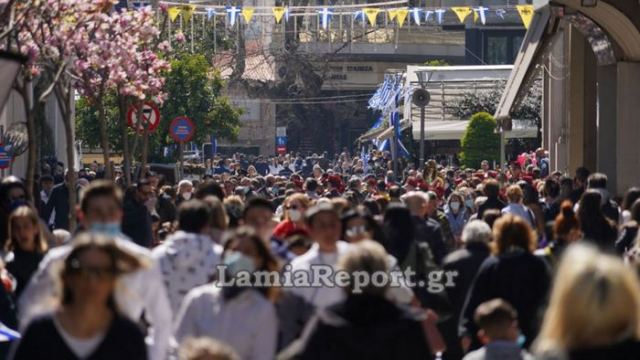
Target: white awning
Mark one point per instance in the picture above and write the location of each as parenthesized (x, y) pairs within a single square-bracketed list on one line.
[(527, 57), (455, 129)]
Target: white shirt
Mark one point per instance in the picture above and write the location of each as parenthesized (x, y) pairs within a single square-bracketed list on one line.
[(186, 261), (82, 348), (247, 322), (136, 292), (319, 296)]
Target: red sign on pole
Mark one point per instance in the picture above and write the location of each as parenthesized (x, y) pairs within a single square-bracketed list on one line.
[(150, 117), (182, 129)]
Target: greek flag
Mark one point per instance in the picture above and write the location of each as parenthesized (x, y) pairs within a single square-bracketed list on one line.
[(325, 15)]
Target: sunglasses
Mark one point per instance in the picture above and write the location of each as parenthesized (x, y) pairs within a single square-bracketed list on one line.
[(356, 230), (92, 272)]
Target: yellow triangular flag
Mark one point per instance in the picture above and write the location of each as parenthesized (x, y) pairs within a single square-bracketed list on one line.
[(475, 16), (526, 14), (247, 14), (278, 12), (187, 11), (462, 12), (372, 15), (392, 14), (173, 11), (402, 16)]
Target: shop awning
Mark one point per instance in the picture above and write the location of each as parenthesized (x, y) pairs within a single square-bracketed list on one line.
[(455, 129), (388, 132), (531, 48)]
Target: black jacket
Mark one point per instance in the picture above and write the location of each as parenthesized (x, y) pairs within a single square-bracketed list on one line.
[(136, 222), (430, 231), (41, 340), (466, 263), (518, 277), (22, 266), (58, 201), (627, 238), (166, 209), (491, 203), (362, 327)]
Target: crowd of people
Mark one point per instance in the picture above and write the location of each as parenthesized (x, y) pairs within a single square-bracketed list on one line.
[(512, 263)]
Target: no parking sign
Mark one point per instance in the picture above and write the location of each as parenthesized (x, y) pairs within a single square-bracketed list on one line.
[(182, 129)]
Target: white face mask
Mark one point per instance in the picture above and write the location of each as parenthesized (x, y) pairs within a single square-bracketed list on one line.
[(455, 206), (186, 196), (295, 215)]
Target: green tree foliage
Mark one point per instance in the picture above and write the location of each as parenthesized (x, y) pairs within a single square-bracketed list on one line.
[(480, 142), (194, 90), (88, 128), (436, 62)]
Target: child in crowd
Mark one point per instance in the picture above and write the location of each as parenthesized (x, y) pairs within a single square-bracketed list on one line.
[(498, 323)]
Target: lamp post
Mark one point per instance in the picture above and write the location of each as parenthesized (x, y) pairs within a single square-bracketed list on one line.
[(10, 64), (421, 98)]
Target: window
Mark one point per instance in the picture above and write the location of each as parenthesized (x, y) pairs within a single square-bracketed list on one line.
[(516, 42), (497, 50)]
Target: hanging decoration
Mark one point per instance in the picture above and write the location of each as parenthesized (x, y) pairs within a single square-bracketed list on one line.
[(187, 12), (526, 14), (278, 13), (372, 15), (325, 17), (416, 15), (402, 16), (173, 12), (210, 13), (247, 13), (501, 13), (440, 15), (480, 12), (232, 12), (462, 12), (427, 15), (359, 15), (392, 14)]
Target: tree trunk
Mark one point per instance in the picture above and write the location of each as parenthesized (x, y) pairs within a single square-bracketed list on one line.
[(104, 139), (145, 149), (126, 158), (63, 94)]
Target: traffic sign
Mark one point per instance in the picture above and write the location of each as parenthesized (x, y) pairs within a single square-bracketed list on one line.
[(5, 158), (281, 131), (182, 129), (150, 117), (281, 144)]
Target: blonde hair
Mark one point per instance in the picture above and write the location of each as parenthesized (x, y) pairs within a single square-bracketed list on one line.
[(595, 301), (30, 213), (514, 193), (206, 348)]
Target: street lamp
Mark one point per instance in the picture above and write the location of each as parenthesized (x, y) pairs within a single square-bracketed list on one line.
[(421, 98), (9, 66)]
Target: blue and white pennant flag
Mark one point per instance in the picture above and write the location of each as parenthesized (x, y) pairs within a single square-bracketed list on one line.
[(232, 12), (415, 12), (440, 15), (325, 17), (482, 12)]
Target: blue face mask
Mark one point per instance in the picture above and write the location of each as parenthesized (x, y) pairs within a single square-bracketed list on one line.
[(521, 340), (107, 228), (237, 262)]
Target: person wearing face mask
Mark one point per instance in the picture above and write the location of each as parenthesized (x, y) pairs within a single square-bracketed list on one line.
[(295, 205), (456, 214), (238, 314), (189, 257), (185, 191), (141, 294)]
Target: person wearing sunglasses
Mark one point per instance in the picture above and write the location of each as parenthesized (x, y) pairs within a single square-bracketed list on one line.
[(87, 323)]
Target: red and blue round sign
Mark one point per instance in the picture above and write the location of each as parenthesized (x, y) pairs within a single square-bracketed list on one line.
[(182, 129), (5, 158)]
